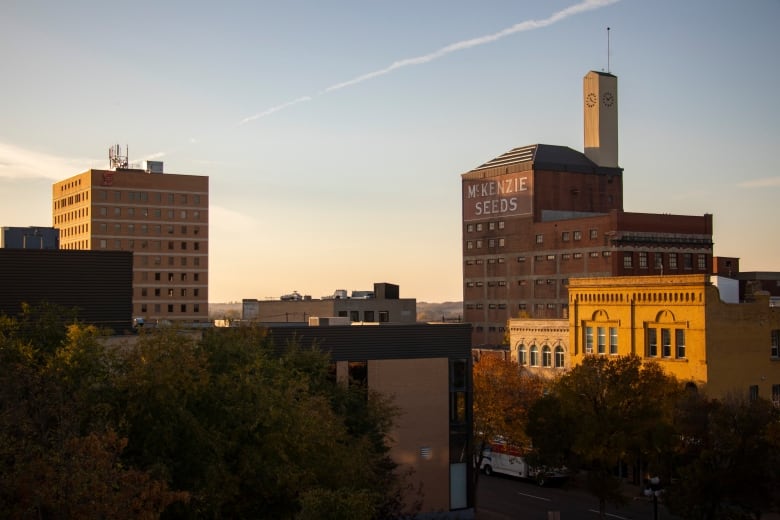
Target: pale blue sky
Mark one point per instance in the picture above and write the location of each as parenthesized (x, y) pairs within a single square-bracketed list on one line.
[(333, 168)]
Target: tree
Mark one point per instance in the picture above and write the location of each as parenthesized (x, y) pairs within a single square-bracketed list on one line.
[(503, 394), (728, 455), (605, 412), (54, 463)]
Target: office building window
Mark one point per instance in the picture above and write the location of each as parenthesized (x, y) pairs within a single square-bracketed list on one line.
[(491, 226), (540, 239), (500, 224), (613, 340), (522, 354), (170, 307), (368, 316), (702, 262), (384, 316), (578, 235), (642, 260), (103, 244), (687, 261), (534, 356), (775, 344), (594, 233), (565, 236), (628, 260), (183, 307), (469, 228), (672, 260)]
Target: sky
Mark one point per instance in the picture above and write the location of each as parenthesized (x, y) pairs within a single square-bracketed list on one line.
[(335, 133)]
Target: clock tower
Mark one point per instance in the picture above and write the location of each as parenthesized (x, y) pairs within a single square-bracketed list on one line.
[(600, 104)]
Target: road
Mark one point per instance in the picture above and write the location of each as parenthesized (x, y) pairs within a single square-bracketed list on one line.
[(505, 498)]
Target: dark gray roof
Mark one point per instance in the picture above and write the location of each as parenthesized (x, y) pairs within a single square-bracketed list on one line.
[(547, 157)]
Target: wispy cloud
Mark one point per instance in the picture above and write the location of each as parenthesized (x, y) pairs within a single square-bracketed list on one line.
[(528, 25), (766, 182), (21, 163)]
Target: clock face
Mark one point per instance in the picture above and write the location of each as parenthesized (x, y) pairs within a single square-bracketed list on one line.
[(591, 100), (608, 99)]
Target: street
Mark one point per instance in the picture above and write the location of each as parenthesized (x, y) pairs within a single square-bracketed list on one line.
[(505, 498)]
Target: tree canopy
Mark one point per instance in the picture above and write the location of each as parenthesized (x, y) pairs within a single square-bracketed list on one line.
[(223, 426)]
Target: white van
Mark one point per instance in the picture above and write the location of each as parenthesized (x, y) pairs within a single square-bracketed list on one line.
[(498, 457)]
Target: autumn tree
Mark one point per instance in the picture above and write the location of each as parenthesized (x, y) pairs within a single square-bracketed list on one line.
[(503, 394), (605, 412)]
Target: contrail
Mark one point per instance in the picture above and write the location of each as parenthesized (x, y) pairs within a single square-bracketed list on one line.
[(275, 109), (528, 25)]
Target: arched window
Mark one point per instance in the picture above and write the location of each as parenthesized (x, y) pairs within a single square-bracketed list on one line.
[(534, 356), (559, 359), (546, 356), (522, 354)]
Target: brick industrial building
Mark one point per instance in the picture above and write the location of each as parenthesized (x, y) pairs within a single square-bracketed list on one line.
[(539, 215), (161, 218)]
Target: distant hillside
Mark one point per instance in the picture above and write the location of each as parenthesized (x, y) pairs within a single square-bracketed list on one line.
[(449, 311)]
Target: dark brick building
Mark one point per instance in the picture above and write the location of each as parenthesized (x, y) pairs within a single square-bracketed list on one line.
[(97, 283)]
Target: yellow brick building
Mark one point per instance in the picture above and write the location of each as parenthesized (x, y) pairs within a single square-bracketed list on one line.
[(682, 323)]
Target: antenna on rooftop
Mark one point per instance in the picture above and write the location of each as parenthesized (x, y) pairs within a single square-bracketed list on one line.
[(608, 71), (116, 160)]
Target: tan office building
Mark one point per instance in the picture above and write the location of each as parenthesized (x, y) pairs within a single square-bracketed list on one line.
[(161, 218)]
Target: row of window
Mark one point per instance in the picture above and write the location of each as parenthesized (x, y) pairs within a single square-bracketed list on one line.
[(171, 276), (539, 308), (530, 356), (492, 242), (157, 292), (368, 316), (604, 339), (71, 215), (170, 307), (491, 226), (155, 245), (658, 260), (157, 213), (566, 236), (117, 212), (143, 196), (71, 199), (143, 260), (522, 283)]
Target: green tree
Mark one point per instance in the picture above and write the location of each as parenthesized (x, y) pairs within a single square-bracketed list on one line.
[(728, 454), (53, 463)]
